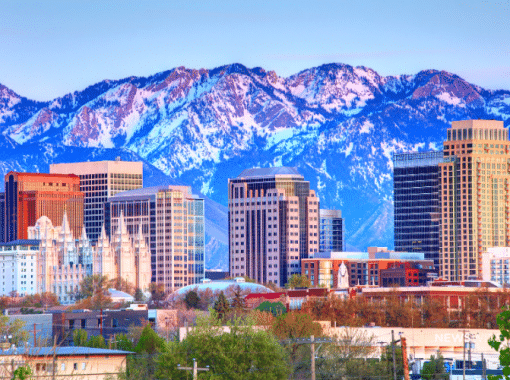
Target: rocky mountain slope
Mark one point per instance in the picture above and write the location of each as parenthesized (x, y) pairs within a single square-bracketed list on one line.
[(338, 124)]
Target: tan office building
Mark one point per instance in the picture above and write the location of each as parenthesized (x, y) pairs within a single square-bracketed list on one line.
[(100, 180), (475, 196), (273, 224)]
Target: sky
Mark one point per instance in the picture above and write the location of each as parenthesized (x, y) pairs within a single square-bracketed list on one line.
[(50, 48)]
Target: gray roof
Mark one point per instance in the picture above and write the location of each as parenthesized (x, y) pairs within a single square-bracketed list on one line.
[(21, 242), (62, 351), (269, 172)]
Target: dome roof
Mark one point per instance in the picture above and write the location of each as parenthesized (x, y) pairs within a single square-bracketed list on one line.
[(223, 285), (44, 222)]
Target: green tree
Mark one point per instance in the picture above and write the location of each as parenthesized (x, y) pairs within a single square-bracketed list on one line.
[(221, 306), (149, 342), (14, 329), (122, 342), (80, 337), (139, 296), (239, 353), (191, 300), (298, 281), (94, 293), (157, 292), (96, 342), (434, 369), (275, 308), (500, 344), (22, 373)]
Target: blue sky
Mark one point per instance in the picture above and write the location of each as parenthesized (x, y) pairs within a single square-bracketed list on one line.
[(49, 48)]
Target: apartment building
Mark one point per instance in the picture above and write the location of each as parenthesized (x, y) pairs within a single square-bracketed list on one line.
[(273, 224), (100, 180), (475, 196)]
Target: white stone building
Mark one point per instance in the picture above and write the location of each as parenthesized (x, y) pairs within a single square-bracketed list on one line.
[(18, 267), (63, 261)]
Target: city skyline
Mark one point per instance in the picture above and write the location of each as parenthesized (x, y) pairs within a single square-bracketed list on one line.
[(51, 49)]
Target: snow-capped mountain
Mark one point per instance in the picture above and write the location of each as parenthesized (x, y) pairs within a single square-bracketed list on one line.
[(338, 124)]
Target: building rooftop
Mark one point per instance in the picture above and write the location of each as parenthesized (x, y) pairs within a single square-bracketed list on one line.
[(223, 285), (20, 242), (62, 351), (269, 172), (150, 192)]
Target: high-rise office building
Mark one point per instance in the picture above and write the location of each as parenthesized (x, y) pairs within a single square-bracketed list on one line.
[(417, 204), (100, 180), (475, 196), (171, 219), (273, 223), (28, 196), (331, 231)]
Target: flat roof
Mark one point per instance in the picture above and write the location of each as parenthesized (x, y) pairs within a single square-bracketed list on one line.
[(62, 351), (269, 172)]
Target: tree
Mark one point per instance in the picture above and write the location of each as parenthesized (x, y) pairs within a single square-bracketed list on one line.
[(500, 344), (238, 303), (221, 306), (240, 353), (191, 300), (14, 329), (434, 369), (94, 293), (139, 296), (80, 337), (96, 342), (298, 281), (149, 342), (275, 308), (157, 292), (22, 373)]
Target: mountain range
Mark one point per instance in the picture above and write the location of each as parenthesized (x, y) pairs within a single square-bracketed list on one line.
[(338, 124)]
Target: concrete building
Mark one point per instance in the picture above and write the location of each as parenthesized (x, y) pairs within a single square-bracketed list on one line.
[(381, 268), (100, 180), (417, 204), (28, 196), (273, 224), (496, 265), (475, 193), (331, 231), (18, 264), (171, 219)]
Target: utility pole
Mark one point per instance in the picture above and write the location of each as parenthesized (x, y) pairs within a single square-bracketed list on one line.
[(484, 368), (464, 357), (404, 358), (54, 369), (312, 349), (393, 351), (195, 369), (35, 335)]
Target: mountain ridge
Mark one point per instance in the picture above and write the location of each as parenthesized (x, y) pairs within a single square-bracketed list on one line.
[(337, 123)]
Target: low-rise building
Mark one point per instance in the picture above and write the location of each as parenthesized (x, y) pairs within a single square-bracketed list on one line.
[(367, 268), (64, 362), (496, 265), (110, 322)]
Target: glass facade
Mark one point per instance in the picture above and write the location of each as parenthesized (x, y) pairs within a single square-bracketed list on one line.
[(331, 231), (172, 221), (416, 185)]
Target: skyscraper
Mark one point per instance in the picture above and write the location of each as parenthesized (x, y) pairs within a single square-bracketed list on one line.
[(331, 231), (475, 196), (28, 196), (100, 180), (273, 223), (417, 204), (171, 219)]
